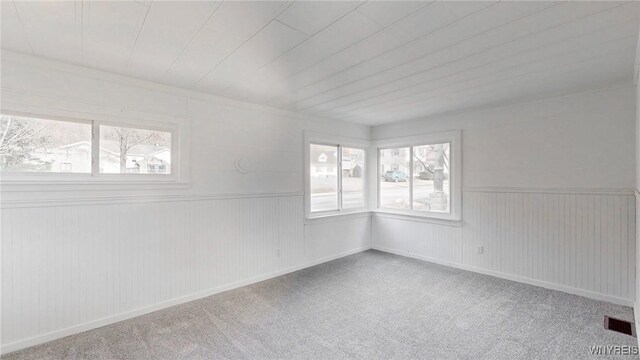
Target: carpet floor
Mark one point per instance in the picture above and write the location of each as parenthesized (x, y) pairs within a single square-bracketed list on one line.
[(371, 305)]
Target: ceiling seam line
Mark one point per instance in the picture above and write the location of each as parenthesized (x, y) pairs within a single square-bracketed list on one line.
[(363, 39), (82, 31), (291, 27), (193, 37), (26, 35), (301, 42), (135, 43), (241, 45)]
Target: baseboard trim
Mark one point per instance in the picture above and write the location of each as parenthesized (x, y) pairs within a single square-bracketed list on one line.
[(517, 278), (72, 330)]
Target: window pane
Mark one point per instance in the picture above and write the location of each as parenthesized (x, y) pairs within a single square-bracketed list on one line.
[(36, 145), (134, 151), (324, 177), (394, 178), (352, 178), (431, 178)]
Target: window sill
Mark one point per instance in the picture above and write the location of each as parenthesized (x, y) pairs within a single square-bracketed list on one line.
[(337, 216), (398, 215)]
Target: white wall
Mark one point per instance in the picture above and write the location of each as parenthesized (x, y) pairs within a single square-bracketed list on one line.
[(547, 192), (75, 257)]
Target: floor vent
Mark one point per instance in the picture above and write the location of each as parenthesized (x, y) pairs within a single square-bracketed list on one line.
[(621, 326)]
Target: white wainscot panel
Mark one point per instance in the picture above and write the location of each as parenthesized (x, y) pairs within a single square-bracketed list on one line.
[(578, 242), (581, 243), (424, 240), (67, 269), (340, 235)]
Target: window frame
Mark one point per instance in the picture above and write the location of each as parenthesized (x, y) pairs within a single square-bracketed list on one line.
[(95, 177), (454, 138), (339, 142)]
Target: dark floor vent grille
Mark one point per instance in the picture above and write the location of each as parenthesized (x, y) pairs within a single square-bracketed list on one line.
[(621, 326)]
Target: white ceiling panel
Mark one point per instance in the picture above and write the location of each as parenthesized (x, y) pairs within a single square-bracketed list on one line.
[(422, 22), (167, 31), (396, 45), (544, 26), (368, 62), (110, 30), (404, 79), (312, 16), (14, 37), (540, 62), (344, 32), (52, 27), (528, 86), (233, 24), (273, 41), (386, 13)]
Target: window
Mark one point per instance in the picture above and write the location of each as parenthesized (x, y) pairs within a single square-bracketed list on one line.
[(324, 183), (352, 178), (336, 178), (36, 145), (418, 175), (126, 150), (47, 146), (394, 184), (431, 178)]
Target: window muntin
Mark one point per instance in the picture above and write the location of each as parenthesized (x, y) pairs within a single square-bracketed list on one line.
[(394, 178), (352, 178), (127, 150), (323, 177), (35, 145), (415, 178)]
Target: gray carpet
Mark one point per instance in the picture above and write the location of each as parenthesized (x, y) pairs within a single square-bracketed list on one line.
[(370, 305)]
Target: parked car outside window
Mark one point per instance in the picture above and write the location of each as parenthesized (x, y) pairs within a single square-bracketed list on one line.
[(395, 176)]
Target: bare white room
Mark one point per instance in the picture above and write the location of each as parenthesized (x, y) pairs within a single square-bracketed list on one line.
[(319, 179)]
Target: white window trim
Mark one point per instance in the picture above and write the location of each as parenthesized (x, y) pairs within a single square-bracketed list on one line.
[(22, 181), (340, 142), (454, 137)]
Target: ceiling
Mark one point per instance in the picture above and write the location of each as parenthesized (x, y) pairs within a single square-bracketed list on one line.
[(369, 62)]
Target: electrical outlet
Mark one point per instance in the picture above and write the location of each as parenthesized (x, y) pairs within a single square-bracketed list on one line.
[(480, 250)]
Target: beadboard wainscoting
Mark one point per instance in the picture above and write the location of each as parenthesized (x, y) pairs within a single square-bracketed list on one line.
[(578, 241), (86, 265), (421, 238)]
